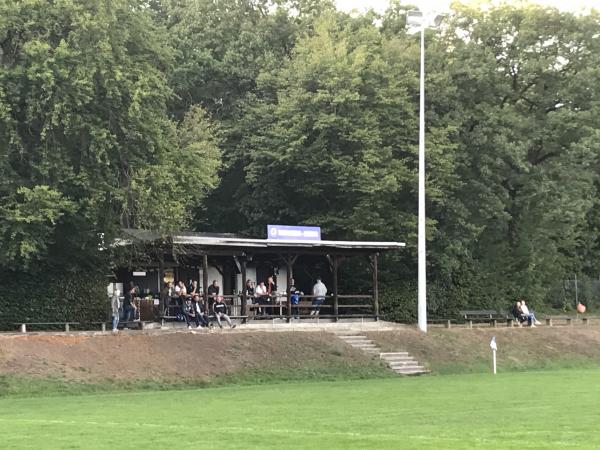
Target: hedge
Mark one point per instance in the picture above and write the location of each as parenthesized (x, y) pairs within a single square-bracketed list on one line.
[(51, 296)]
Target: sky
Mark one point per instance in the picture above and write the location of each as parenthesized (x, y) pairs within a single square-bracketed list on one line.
[(442, 5)]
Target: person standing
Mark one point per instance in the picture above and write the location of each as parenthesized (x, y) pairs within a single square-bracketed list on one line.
[(220, 310), (295, 299), (271, 294), (319, 293), (129, 303), (261, 296), (213, 293), (250, 293), (193, 289), (115, 305)]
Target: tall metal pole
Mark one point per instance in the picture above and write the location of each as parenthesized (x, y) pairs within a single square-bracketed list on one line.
[(422, 272)]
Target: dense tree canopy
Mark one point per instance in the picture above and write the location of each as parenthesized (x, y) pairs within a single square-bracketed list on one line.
[(225, 116)]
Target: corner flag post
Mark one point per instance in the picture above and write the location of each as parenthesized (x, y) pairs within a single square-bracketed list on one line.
[(494, 347)]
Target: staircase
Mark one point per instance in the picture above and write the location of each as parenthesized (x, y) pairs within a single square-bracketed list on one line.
[(399, 362)]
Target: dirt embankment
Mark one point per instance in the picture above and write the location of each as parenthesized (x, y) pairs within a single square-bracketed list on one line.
[(171, 356), (130, 356)]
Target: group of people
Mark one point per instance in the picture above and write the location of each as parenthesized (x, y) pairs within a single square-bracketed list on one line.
[(189, 300), (264, 295), (128, 307), (521, 312)]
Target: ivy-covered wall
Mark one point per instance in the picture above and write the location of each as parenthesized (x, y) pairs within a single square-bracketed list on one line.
[(50, 296)]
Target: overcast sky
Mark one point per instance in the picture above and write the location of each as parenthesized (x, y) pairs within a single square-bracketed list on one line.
[(442, 5)]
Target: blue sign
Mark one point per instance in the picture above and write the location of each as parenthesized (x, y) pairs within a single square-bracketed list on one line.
[(293, 233)]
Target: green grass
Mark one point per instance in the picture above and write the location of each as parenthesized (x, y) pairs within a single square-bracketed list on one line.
[(512, 410)]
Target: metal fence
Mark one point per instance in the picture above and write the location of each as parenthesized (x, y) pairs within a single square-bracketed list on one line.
[(568, 293)]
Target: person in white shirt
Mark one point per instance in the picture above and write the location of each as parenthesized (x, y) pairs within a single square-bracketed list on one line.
[(319, 293), (115, 305), (261, 294), (530, 315)]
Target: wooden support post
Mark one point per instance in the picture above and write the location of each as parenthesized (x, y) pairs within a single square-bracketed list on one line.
[(205, 282), (375, 286), (289, 267), (448, 323), (162, 293), (549, 322), (23, 328), (493, 323), (469, 324), (244, 297), (103, 327), (509, 323), (335, 267), (66, 327), (585, 321)]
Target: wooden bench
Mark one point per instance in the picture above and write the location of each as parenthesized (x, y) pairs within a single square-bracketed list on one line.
[(480, 315), (550, 320)]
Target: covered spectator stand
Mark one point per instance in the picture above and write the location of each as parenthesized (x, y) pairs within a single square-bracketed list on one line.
[(232, 259)]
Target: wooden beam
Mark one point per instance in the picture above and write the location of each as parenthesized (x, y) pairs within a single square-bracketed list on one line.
[(375, 286), (205, 282), (243, 270), (335, 266), (289, 266)]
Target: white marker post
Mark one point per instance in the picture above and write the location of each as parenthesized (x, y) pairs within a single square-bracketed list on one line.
[(494, 347)]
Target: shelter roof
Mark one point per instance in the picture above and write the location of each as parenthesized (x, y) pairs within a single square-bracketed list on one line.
[(223, 241)]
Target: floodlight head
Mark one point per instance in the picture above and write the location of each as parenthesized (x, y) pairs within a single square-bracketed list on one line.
[(437, 21)]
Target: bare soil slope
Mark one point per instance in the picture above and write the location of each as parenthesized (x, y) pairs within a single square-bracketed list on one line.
[(176, 355), (171, 355)]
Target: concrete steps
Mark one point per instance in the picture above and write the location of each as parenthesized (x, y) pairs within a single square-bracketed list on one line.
[(399, 362), (402, 363)]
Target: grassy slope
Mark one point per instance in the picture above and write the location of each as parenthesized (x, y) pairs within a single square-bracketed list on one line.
[(467, 350), (517, 410)]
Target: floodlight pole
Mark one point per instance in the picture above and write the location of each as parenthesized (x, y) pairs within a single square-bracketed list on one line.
[(422, 269)]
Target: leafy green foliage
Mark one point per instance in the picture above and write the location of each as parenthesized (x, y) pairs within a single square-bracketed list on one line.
[(27, 221), (225, 116)]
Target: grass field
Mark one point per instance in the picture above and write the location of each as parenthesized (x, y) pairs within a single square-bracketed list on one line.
[(515, 410)]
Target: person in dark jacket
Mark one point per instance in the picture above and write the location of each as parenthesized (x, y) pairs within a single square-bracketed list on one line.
[(199, 308), (129, 309), (295, 294), (518, 314), (220, 310), (190, 314)]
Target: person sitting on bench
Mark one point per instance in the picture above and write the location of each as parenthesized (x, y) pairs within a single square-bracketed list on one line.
[(199, 308), (529, 314), (518, 314), (220, 310), (189, 312)]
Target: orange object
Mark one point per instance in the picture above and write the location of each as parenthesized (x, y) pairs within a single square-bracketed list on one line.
[(580, 308)]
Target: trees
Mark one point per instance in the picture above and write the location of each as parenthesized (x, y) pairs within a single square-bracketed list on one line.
[(526, 142), (87, 144), (228, 115)]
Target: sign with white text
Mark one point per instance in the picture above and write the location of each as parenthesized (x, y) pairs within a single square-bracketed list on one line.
[(293, 233)]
